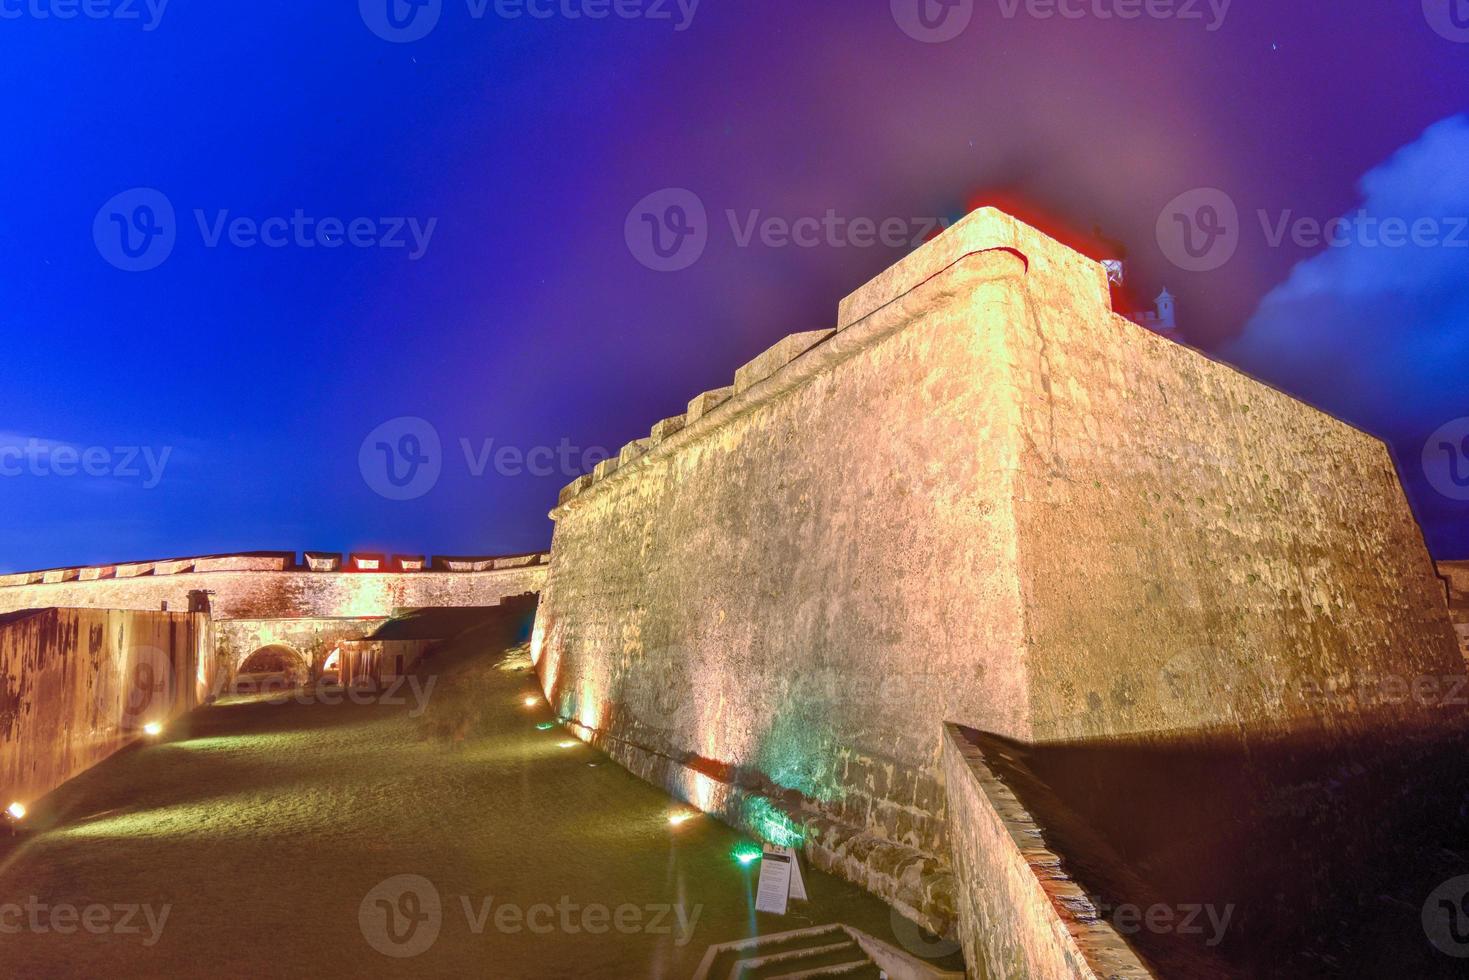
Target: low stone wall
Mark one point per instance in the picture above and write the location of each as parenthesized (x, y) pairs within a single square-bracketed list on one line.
[(77, 685), (1025, 917)]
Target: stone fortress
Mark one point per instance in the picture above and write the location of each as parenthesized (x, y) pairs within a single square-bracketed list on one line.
[(270, 600), (983, 499)]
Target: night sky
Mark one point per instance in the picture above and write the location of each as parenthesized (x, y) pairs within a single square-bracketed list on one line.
[(467, 202)]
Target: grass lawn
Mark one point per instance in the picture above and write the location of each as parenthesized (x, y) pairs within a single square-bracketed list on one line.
[(265, 831)]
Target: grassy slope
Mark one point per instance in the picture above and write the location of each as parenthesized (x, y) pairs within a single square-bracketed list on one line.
[(265, 825)]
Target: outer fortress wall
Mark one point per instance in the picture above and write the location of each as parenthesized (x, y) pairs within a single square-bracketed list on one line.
[(76, 685), (1456, 575), (272, 585), (984, 498)]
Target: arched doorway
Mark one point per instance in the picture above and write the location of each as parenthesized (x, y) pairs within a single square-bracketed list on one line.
[(273, 665)]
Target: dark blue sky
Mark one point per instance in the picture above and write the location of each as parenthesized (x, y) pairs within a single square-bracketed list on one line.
[(519, 147)]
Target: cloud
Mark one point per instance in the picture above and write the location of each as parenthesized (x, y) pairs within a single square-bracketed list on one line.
[(1376, 331)]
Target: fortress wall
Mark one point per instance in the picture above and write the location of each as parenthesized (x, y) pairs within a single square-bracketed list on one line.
[(1199, 550), (783, 592), (313, 639), (984, 499), (263, 593), (1456, 577), (76, 685)]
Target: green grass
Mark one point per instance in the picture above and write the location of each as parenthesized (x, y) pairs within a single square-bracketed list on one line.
[(264, 826)]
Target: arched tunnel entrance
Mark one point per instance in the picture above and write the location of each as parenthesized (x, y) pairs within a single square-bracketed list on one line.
[(276, 663)]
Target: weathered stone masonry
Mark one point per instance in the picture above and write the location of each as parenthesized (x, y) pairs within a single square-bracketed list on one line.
[(269, 598), (983, 498), (76, 685)]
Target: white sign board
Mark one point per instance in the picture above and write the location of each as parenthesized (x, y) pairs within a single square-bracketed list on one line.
[(780, 881)]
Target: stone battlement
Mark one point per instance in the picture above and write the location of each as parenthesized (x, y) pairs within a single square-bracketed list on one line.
[(273, 561)]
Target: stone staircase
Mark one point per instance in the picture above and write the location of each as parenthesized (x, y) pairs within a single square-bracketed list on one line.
[(807, 954)]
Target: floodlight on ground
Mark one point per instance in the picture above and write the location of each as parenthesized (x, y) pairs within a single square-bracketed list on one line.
[(153, 729), (17, 811)]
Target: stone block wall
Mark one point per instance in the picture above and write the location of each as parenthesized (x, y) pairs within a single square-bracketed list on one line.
[(275, 586), (76, 685), (1456, 578), (983, 498)]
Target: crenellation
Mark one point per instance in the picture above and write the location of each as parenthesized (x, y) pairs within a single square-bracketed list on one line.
[(667, 427), (707, 402), (777, 356), (633, 451)]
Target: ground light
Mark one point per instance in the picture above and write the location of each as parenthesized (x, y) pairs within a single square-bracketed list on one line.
[(152, 729), (17, 811), (567, 745), (532, 702), (746, 854), (677, 819)]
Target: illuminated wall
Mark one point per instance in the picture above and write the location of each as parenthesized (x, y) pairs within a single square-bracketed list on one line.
[(76, 685), (274, 586), (983, 498), (1456, 575)]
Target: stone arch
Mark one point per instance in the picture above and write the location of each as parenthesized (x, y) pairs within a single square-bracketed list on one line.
[(276, 659)]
